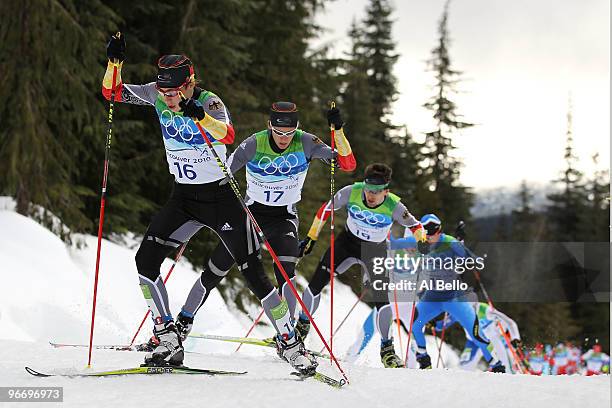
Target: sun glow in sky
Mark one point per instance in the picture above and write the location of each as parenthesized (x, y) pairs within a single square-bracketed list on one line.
[(521, 60)]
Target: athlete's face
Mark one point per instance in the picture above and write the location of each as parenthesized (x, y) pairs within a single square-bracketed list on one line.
[(375, 198), (172, 96), (282, 136)]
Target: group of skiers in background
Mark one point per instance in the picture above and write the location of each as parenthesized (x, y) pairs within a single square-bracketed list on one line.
[(196, 127), (568, 359)]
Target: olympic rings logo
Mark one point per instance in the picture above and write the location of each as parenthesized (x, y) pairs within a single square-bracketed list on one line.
[(366, 215), (176, 125), (280, 164)]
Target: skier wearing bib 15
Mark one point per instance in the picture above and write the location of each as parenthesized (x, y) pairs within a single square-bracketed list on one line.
[(371, 209), (199, 198), (277, 161)]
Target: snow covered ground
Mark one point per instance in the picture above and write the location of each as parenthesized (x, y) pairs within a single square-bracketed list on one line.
[(268, 384), (45, 294)]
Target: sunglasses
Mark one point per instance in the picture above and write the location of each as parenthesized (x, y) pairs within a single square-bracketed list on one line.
[(288, 133), (373, 191), (171, 93), (374, 188), (431, 228)]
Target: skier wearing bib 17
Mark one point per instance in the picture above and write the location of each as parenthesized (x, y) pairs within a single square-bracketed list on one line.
[(199, 198), (277, 161), (371, 209)]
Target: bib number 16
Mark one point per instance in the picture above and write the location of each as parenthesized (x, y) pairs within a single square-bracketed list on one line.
[(186, 171)]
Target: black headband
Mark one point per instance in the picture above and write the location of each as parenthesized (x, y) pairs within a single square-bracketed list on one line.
[(284, 114), (376, 180), (173, 71)]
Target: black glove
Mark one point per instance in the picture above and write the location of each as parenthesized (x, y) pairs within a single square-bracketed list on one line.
[(191, 108), (430, 326), (517, 344), (306, 246), (460, 231), (115, 49), (423, 247), (334, 118)]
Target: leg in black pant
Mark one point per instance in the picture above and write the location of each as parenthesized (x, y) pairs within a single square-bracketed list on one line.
[(282, 236), (346, 254)]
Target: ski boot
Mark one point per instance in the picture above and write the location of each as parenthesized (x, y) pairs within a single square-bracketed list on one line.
[(184, 324), (498, 367), (424, 361), (388, 356), (302, 327), (169, 351), (293, 351)]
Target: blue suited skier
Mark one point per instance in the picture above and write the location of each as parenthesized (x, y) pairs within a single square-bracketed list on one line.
[(443, 292)]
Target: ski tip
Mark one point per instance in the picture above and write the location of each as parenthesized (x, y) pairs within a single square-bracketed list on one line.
[(36, 373), (321, 378)]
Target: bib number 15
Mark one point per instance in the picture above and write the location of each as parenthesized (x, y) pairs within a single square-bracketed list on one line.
[(363, 234), (277, 195), (185, 171)]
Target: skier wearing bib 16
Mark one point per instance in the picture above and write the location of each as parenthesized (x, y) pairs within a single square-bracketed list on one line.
[(199, 198), (446, 250), (277, 161), (371, 209)]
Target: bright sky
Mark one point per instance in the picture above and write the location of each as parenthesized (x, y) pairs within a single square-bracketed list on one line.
[(520, 59)]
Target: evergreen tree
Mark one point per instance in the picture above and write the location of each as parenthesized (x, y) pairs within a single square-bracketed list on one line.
[(407, 174), (360, 115), (595, 220), (526, 224), (594, 319), (379, 57), (567, 204), (442, 169), (281, 66), (50, 126), (502, 228)]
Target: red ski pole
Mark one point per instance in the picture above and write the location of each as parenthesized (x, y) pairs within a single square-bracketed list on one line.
[(414, 301), (234, 185), (399, 324), (441, 342), (397, 315), (102, 203), (178, 256), (331, 239), (251, 329)]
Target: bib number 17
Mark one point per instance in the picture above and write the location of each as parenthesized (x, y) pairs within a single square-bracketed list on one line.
[(277, 195)]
